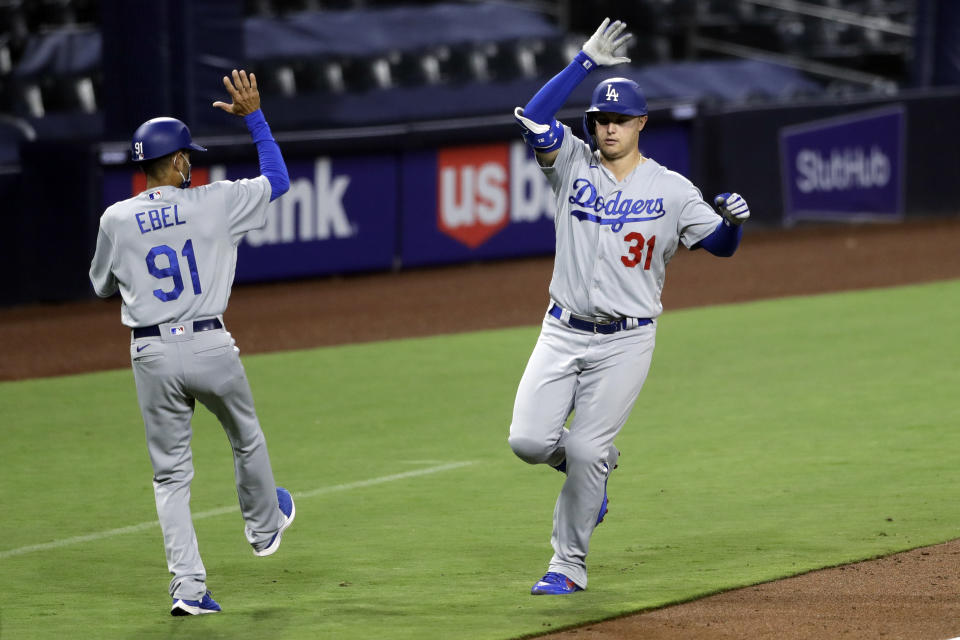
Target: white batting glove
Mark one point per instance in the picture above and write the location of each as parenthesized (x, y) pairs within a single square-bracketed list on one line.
[(529, 124), (603, 44), (732, 207)]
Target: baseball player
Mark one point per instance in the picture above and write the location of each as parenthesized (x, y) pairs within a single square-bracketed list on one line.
[(172, 251), (620, 217)]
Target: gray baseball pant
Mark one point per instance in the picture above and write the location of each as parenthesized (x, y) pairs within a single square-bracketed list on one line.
[(596, 377), (171, 373)]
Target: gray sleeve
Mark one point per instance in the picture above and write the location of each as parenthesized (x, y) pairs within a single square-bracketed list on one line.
[(697, 218), (573, 155), (101, 268), (247, 203)]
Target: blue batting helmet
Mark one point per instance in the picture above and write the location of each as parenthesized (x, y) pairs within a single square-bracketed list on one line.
[(158, 137), (615, 95)]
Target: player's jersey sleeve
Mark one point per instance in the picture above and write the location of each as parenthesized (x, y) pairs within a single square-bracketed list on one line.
[(101, 268), (697, 218), (573, 157), (247, 203)]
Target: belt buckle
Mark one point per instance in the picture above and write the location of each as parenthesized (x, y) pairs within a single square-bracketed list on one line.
[(595, 331)]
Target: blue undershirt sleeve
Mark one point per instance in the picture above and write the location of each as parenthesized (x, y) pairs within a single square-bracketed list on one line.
[(271, 161), (724, 240), (544, 105)]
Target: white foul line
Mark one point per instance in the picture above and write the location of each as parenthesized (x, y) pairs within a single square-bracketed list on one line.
[(66, 542)]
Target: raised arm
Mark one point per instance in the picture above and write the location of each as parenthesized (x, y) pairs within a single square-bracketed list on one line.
[(540, 128), (246, 103)]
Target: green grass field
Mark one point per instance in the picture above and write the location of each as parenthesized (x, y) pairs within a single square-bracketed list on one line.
[(771, 438)]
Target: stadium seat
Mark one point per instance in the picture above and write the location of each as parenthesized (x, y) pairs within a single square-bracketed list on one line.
[(525, 54), (6, 94), (319, 76), (276, 77), (362, 74), (68, 94), (432, 63), (505, 60), (281, 7), (467, 63), (86, 11), (791, 33), (13, 25), (650, 49), (381, 70), (258, 8), (28, 100), (6, 55), (55, 13), (13, 132), (413, 68)]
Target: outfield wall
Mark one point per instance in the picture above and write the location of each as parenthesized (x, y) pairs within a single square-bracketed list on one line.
[(380, 198)]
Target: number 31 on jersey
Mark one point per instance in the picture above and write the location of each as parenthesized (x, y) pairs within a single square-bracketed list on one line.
[(637, 245)]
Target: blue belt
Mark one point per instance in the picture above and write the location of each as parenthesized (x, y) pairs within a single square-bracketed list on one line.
[(597, 327), (198, 326)]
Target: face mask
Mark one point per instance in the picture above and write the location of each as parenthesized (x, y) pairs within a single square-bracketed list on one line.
[(185, 184)]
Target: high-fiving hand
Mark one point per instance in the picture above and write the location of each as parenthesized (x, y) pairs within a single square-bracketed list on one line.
[(243, 90), (603, 44)]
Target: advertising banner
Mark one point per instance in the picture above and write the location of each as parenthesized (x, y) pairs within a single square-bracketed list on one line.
[(845, 168), (444, 205), (474, 202), (492, 200), (340, 215)]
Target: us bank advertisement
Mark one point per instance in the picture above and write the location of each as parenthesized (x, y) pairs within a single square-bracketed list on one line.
[(845, 168)]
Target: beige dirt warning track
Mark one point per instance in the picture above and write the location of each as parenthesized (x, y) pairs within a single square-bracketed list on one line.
[(912, 595)]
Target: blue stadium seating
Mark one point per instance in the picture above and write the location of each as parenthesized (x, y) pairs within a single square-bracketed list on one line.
[(350, 61)]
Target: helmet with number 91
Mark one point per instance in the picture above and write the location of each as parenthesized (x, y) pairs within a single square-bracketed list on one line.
[(158, 137), (614, 95)]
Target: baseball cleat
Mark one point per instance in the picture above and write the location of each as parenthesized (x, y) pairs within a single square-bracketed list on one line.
[(554, 584), (289, 512), (194, 607)]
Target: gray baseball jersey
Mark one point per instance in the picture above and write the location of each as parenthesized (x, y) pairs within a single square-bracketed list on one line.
[(173, 252), (614, 239)]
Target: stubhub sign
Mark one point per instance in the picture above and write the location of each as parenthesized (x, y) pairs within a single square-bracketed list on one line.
[(846, 167)]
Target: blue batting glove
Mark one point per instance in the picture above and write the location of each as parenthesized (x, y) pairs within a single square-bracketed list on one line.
[(732, 207)]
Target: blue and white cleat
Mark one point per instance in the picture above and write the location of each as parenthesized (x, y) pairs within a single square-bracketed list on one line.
[(554, 584), (195, 607), (289, 512)]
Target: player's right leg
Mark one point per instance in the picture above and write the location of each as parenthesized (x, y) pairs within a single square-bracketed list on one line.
[(616, 369), (217, 379), (545, 395), (167, 411)]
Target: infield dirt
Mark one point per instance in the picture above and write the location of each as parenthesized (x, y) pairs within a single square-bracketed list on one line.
[(911, 595)]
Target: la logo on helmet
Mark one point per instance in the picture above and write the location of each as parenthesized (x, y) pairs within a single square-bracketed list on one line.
[(612, 94)]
